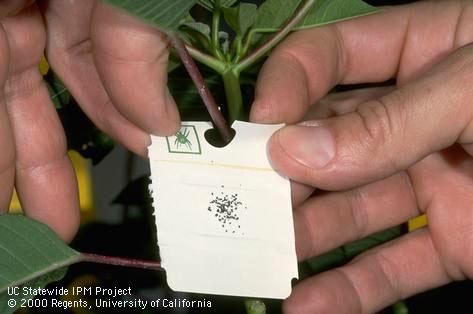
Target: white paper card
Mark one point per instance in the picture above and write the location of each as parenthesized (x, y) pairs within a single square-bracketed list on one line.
[(223, 215)]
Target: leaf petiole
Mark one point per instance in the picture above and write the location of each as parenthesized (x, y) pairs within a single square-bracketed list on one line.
[(215, 31), (210, 61), (204, 92), (120, 261), (250, 59), (238, 48)]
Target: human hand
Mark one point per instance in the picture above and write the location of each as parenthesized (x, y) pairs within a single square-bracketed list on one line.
[(394, 154), (115, 66), (120, 84)]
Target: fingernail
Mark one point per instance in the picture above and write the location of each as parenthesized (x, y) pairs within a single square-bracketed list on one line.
[(309, 123), (313, 147), (260, 113)]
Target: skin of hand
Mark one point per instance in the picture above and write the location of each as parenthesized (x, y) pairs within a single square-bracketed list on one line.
[(114, 65), (382, 155)]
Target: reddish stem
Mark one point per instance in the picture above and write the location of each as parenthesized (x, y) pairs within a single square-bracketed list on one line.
[(204, 92), (121, 261)]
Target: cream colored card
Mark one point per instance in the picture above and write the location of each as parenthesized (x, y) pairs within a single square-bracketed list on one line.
[(223, 215)]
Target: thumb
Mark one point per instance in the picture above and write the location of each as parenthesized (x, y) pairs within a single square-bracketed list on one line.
[(382, 136)]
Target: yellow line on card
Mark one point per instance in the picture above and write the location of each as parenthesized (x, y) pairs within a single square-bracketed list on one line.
[(202, 163)]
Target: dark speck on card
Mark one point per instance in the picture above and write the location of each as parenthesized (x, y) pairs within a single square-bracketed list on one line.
[(227, 209)]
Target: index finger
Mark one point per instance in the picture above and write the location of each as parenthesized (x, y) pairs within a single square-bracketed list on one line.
[(400, 42), (131, 59)]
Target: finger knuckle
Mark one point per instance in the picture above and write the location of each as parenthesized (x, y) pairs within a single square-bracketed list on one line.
[(359, 216), (29, 40), (355, 301), (23, 85), (383, 122), (388, 272), (310, 232), (375, 121)]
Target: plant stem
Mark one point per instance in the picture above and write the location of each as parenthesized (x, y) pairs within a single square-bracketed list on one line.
[(207, 97), (215, 31), (212, 62), (120, 261), (298, 15), (238, 48), (231, 83)]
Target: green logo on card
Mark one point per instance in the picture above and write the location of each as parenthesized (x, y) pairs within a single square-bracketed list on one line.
[(185, 141)]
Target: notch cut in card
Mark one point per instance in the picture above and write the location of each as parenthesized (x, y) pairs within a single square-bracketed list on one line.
[(223, 215)]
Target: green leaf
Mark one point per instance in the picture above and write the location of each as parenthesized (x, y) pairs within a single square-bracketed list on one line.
[(199, 27), (164, 14), (30, 253), (272, 14), (40, 282), (28, 250), (196, 33), (241, 18), (210, 4), (330, 11), (206, 4)]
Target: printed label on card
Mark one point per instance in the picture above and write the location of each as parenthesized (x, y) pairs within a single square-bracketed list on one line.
[(223, 215)]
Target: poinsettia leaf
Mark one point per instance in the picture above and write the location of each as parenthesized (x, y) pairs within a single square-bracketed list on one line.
[(199, 27), (30, 253), (196, 33), (210, 4), (241, 17), (40, 282), (164, 14), (272, 14)]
